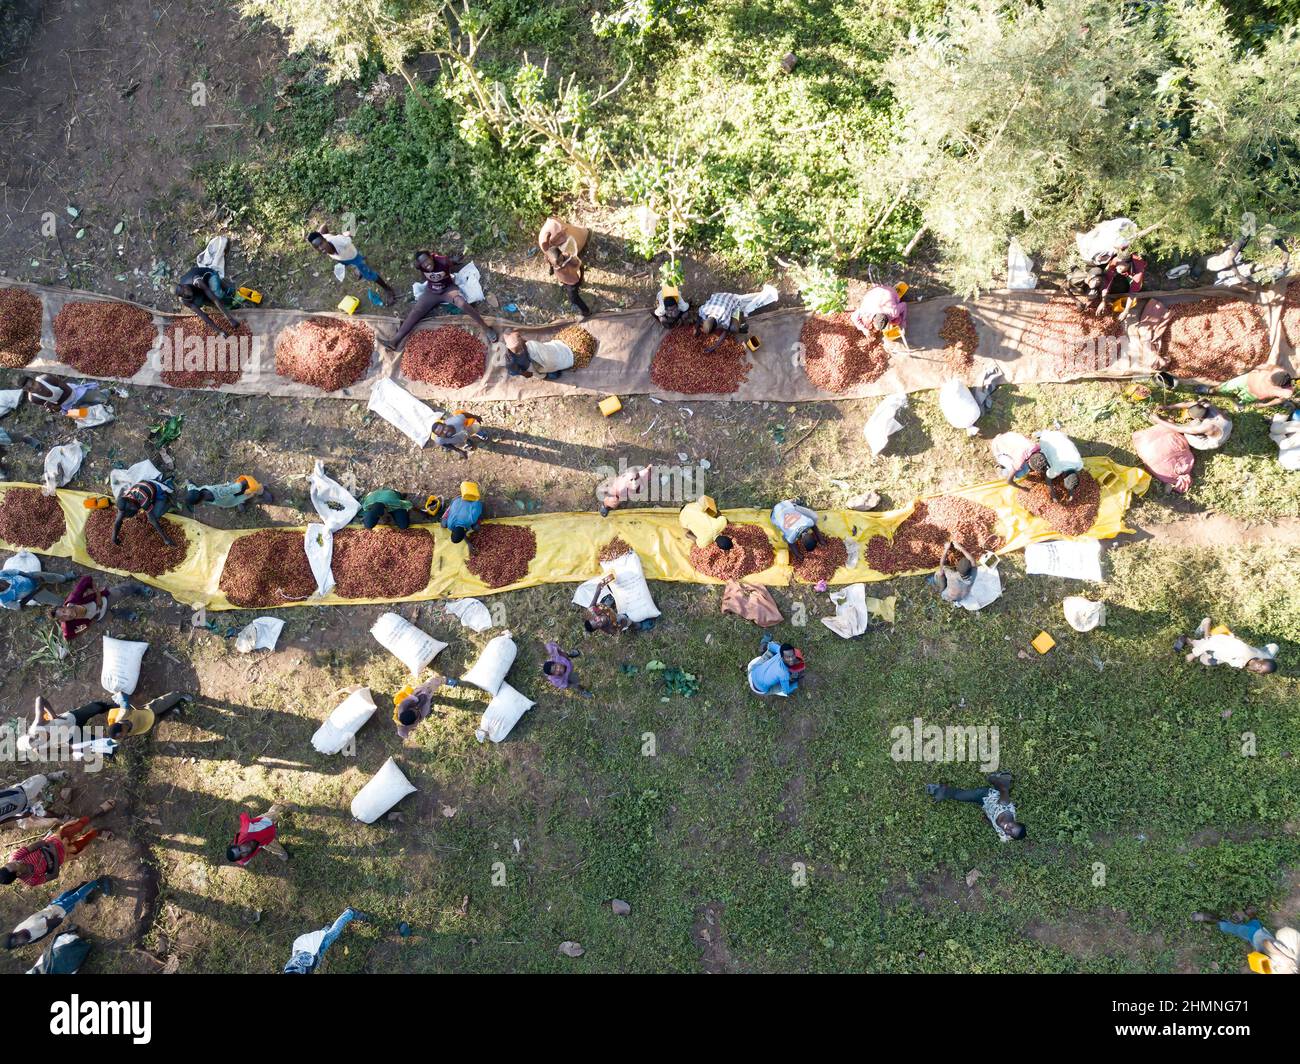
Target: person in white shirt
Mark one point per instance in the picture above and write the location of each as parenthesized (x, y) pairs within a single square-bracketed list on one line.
[(1059, 461), (340, 248), (1206, 427), (1224, 648)]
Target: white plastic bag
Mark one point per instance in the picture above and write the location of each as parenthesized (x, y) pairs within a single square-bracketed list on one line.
[(403, 411), (99, 414), (24, 562), (61, 465), (340, 271), (262, 634), (386, 788), (630, 590), (1020, 268), (883, 422), (986, 588), (412, 647), (489, 671), (471, 613), (120, 672), (1286, 434), (959, 407), (1078, 559), (1099, 241), (318, 542), (334, 504), (502, 714), (469, 282), (345, 721), (121, 479), (1083, 615), (9, 400)]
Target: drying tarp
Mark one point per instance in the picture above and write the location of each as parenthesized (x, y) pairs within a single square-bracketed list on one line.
[(568, 543), (1008, 324)]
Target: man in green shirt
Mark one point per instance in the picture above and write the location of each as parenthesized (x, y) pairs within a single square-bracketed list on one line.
[(383, 502)]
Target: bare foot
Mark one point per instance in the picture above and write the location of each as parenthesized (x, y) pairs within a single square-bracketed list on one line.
[(107, 807)]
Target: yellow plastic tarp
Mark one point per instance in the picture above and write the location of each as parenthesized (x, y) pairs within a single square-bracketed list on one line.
[(568, 543)]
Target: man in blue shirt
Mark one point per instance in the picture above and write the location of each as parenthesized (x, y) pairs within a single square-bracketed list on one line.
[(779, 667), (17, 588), (461, 517)]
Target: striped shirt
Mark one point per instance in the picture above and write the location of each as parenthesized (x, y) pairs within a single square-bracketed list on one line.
[(45, 858)]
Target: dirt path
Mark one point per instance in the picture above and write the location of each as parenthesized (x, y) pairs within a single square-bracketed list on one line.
[(1217, 530)]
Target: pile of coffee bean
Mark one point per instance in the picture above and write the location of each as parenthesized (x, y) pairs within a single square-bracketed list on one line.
[(1070, 517), (103, 339), (919, 539), (141, 551), (751, 552), (326, 353), (381, 563), (500, 554), (837, 357), (447, 357), (199, 356), (30, 518), (681, 365), (20, 327), (267, 568), (822, 563)]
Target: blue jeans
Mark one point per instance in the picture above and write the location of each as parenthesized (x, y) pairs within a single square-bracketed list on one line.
[(304, 963), (1253, 933), (365, 272), (70, 899)]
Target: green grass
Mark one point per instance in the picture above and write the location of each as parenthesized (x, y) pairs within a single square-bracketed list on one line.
[(1122, 753)]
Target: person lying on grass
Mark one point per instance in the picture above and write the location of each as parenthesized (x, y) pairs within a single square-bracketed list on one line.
[(309, 950), (340, 248), (26, 797), (226, 496), (1204, 426), (416, 704), (798, 527), (704, 524), (61, 396), (18, 587), (41, 862), (1219, 646), (87, 604), (123, 721), (995, 801), (48, 728), (1265, 386), (202, 289), (153, 498), (39, 925), (256, 834), (440, 287), (1280, 953), (956, 573)]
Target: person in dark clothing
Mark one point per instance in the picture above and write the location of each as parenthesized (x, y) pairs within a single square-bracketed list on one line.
[(437, 271), (994, 800), (153, 498), (202, 287), (562, 246), (87, 604)]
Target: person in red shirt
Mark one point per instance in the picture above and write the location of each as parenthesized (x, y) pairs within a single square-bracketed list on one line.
[(1123, 276), (88, 604), (41, 862), (257, 833)]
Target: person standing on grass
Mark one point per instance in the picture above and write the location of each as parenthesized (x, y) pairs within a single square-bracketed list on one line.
[(955, 576), (1221, 647), (562, 245), (228, 496), (616, 490), (994, 800), (457, 431), (798, 527), (153, 498), (1279, 954), (410, 712), (87, 604), (1206, 427), (440, 287), (704, 524), (340, 248), (256, 834), (19, 587), (559, 672), (386, 502), (24, 798), (41, 862), (1012, 451), (309, 950), (39, 925), (202, 289), (123, 721)]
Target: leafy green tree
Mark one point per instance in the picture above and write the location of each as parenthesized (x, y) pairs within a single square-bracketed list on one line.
[(1032, 119)]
